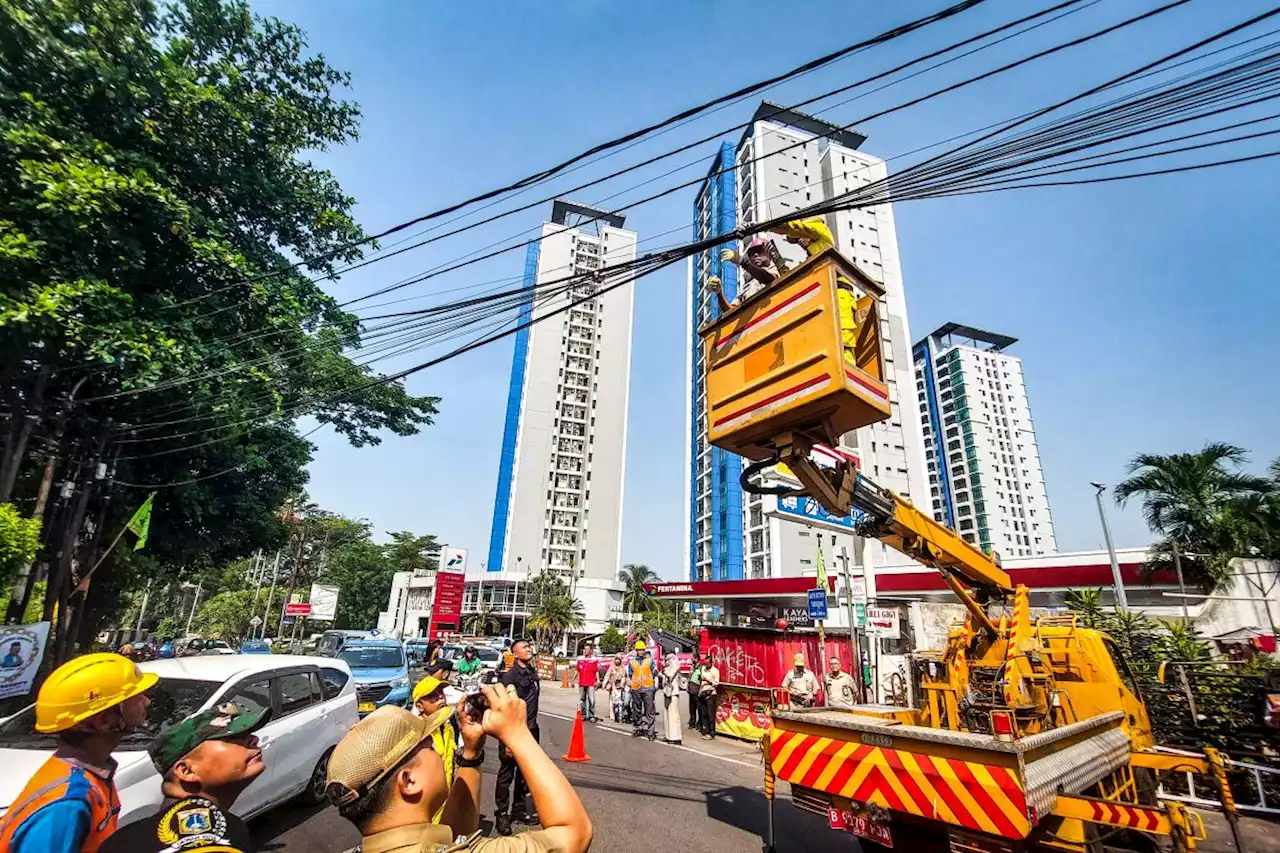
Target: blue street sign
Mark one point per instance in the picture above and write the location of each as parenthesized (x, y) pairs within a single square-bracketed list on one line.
[(817, 604)]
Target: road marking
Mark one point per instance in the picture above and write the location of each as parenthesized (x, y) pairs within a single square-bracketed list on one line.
[(627, 733)]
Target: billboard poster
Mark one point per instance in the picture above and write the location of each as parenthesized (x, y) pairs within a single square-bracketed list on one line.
[(324, 602), (21, 651), (809, 511)]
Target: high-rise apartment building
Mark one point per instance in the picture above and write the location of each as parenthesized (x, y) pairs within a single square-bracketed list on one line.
[(985, 479), (558, 506), (784, 162)]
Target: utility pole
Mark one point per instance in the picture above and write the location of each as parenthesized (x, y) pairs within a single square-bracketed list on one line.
[(142, 611), (855, 643), (1121, 600), (58, 579), (1182, 587), (26, 577), (266, 613), (195, 600)]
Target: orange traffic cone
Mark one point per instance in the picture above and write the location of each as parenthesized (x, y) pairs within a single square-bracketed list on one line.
[(564, 678), (577, 742)]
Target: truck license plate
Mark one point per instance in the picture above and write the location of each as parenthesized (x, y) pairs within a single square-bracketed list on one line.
[(366, 707), (860, 825)]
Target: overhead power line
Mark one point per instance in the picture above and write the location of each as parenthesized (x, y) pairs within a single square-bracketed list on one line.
[(886, 36)]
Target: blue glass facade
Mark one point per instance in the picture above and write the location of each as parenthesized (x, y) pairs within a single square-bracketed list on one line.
[(511, 424), (924, 357), (715, 212)]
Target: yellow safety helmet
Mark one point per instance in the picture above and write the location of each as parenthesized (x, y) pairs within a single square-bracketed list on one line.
[(88, 685), (427, 685), (640, 645)]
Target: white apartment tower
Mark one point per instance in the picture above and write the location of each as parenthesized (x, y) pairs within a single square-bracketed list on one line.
[(985, 479), (784, 162), (558, 506)]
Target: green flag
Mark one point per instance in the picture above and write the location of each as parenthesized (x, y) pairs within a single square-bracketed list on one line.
[(822, 569), (140, 524)]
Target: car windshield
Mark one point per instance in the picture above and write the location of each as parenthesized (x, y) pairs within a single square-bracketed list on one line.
[(486, 654), (172, 700), (368, 657), (215, 644)]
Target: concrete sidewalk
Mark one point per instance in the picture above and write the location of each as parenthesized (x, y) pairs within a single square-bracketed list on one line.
[(562, 702)]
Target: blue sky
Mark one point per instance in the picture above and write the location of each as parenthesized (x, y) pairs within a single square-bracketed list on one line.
[(1145, 310)]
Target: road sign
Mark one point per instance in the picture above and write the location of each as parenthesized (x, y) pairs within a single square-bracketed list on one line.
[(297, 608), (818, 604), (255, 621)]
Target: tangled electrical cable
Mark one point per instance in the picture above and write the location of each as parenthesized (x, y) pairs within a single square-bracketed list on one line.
[(996, 161)]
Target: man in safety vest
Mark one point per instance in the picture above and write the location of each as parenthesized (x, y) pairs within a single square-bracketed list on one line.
[(643, 677), (71, 804)]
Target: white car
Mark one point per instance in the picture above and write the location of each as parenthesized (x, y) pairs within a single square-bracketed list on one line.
[(313, 702), (217, 647)]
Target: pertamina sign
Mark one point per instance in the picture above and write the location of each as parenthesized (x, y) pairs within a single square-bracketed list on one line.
[(446, 605), (453, 560)]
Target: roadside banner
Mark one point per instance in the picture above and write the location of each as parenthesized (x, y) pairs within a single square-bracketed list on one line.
[(21, 651), (743, 713), (884, 622), (324, 602)]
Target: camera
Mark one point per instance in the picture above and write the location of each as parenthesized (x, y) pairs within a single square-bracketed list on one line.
[(477, 704)]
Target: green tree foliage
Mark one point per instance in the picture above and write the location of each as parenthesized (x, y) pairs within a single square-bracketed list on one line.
[(227, 615), (555, 616), (154, 166), (1228, 700), (633, 577), (1206, 505), (482, 622), (19, 538), (612, 641)]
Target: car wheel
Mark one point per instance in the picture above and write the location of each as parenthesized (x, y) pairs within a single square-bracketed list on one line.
[(314, 794)]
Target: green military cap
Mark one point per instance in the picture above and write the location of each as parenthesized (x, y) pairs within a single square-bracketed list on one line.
[(225, 721)]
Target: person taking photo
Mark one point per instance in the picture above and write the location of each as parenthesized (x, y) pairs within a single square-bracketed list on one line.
[(386, 780), (509, 797)]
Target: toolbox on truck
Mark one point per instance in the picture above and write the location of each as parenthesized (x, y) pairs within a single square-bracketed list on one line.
[(777, 364), (971, 781)]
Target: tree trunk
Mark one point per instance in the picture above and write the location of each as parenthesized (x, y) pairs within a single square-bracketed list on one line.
[(14, 452)]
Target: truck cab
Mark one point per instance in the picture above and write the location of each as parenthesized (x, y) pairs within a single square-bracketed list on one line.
[(380, 669)]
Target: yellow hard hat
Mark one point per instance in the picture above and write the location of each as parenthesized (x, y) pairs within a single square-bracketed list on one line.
[(639, 645), (88, 685), (427, 685)]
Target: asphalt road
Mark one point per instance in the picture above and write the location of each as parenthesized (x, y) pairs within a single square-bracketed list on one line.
[(641, 796), (646, 796)]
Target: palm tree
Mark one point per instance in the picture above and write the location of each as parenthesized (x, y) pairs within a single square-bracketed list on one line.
[(634, 597), (1197, 501), (481, 622), (554, 616)]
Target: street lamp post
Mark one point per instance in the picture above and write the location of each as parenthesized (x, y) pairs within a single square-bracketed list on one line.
[(1121, 601)]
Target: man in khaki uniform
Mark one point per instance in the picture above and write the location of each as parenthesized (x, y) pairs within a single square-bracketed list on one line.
[(385, 779), (842, 690), (801, 684)]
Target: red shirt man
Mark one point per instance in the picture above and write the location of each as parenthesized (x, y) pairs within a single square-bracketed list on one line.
[(588, 678)]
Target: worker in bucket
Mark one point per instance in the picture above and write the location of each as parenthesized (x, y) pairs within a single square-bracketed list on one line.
[(761, 269), (815, 237)]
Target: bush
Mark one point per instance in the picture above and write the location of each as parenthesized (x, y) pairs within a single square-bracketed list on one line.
[(612, 641)]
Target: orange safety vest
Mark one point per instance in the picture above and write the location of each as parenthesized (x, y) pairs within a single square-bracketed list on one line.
[(642, 674), (61, 778)]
